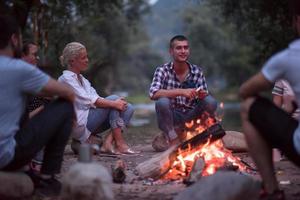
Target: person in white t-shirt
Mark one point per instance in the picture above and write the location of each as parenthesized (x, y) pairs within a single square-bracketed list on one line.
[(265, 125)]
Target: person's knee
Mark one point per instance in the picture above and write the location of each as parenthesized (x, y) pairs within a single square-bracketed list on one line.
[(211, 103), (130, 108), (112, 97), (245, 107), (162, 103)]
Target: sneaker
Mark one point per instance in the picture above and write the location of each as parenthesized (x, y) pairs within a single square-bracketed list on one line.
[(44, 187), (276, 195), (48, 187), (35, 166), (75, 144)]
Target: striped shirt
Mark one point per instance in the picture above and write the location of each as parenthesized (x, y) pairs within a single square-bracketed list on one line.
[(165, 78)]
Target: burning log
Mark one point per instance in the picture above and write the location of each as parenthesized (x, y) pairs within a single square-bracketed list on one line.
[(160, 164), (196, 172)]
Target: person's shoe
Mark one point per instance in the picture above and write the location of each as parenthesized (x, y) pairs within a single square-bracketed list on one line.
[(35, 166), (44, 187), (48, 187), (276, 195), (75, 145)]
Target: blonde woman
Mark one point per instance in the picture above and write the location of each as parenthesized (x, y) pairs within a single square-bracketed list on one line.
[(94, 113)]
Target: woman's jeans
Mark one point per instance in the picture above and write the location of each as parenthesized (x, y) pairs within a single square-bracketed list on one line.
[(169, 118), (101, 119)]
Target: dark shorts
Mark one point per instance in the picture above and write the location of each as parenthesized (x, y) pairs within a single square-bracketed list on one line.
[(276, 126)]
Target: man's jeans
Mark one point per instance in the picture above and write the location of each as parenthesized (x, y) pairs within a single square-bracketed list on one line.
[(101, 119), (51, 129), (170, 119)]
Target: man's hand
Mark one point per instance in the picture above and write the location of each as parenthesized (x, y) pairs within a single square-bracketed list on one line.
[(189, 93), (201, 94)]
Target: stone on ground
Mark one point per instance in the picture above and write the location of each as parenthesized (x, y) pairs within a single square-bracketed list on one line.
[(87, 181), (222, 186)]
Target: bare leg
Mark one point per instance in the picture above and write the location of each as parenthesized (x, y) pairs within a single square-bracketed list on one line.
[(120, 142), (259, 150), (108, 143)]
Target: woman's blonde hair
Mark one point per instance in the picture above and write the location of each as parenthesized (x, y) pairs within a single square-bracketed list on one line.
[(70, 51)]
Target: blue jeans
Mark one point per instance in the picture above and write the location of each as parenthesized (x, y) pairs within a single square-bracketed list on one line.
[(169, 119), (101, 119)]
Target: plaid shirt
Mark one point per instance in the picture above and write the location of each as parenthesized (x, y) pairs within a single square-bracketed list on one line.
[(165, 78)]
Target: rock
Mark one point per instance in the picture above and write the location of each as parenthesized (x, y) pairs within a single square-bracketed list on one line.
[(222, 186), (160, 143), (15, 185), (87, 181), (235, 141)]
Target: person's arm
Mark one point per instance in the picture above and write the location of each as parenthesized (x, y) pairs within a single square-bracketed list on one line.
[(55, 88), (277, 100), (119, 104), (172, 93), (36, 111), (254, 86)]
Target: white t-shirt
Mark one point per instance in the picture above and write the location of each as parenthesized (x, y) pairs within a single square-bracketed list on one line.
[(286, 65)]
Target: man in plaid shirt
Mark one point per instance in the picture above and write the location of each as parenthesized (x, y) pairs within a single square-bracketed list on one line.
[(180, 91)]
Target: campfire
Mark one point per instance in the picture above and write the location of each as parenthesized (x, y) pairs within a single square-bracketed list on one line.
[(205, 158), (202, 154)]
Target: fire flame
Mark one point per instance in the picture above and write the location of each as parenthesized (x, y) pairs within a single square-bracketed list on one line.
[(214, 154)]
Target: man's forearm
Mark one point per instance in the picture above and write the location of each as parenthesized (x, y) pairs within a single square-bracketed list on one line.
[(254, 86), (167, 93), (54, 88)]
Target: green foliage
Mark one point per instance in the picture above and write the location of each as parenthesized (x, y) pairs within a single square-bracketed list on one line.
[(216, 46), (267, 21)]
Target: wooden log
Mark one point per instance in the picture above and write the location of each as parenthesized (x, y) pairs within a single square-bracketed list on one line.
[(161, 163), (196, 172), (157, 165)]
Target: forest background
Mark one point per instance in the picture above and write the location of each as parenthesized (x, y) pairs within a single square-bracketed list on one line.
[(128, 39)]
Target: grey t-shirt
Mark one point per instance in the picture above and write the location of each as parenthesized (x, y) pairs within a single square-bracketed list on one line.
[(17, 78), (286, 65)]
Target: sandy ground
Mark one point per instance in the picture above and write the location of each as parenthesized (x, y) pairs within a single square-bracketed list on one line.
[(136, 189)]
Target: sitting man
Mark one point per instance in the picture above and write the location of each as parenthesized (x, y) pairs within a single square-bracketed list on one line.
[(50, 129), (180, 91), (267, 126)]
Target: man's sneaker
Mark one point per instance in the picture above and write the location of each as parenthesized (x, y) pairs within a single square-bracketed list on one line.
[(48, 187), (276, 195), (35, 166), (75, 144), (44, 187)]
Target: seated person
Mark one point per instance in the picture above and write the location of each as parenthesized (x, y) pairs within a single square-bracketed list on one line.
[(49, 129), (180, 91), (94, 113), (35, 103)]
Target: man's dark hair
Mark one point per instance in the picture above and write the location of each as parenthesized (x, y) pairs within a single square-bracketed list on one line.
[(8, 27), (26, 45), (178, 38)]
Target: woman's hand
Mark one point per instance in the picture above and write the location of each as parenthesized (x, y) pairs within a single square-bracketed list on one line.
[(120, 104)]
